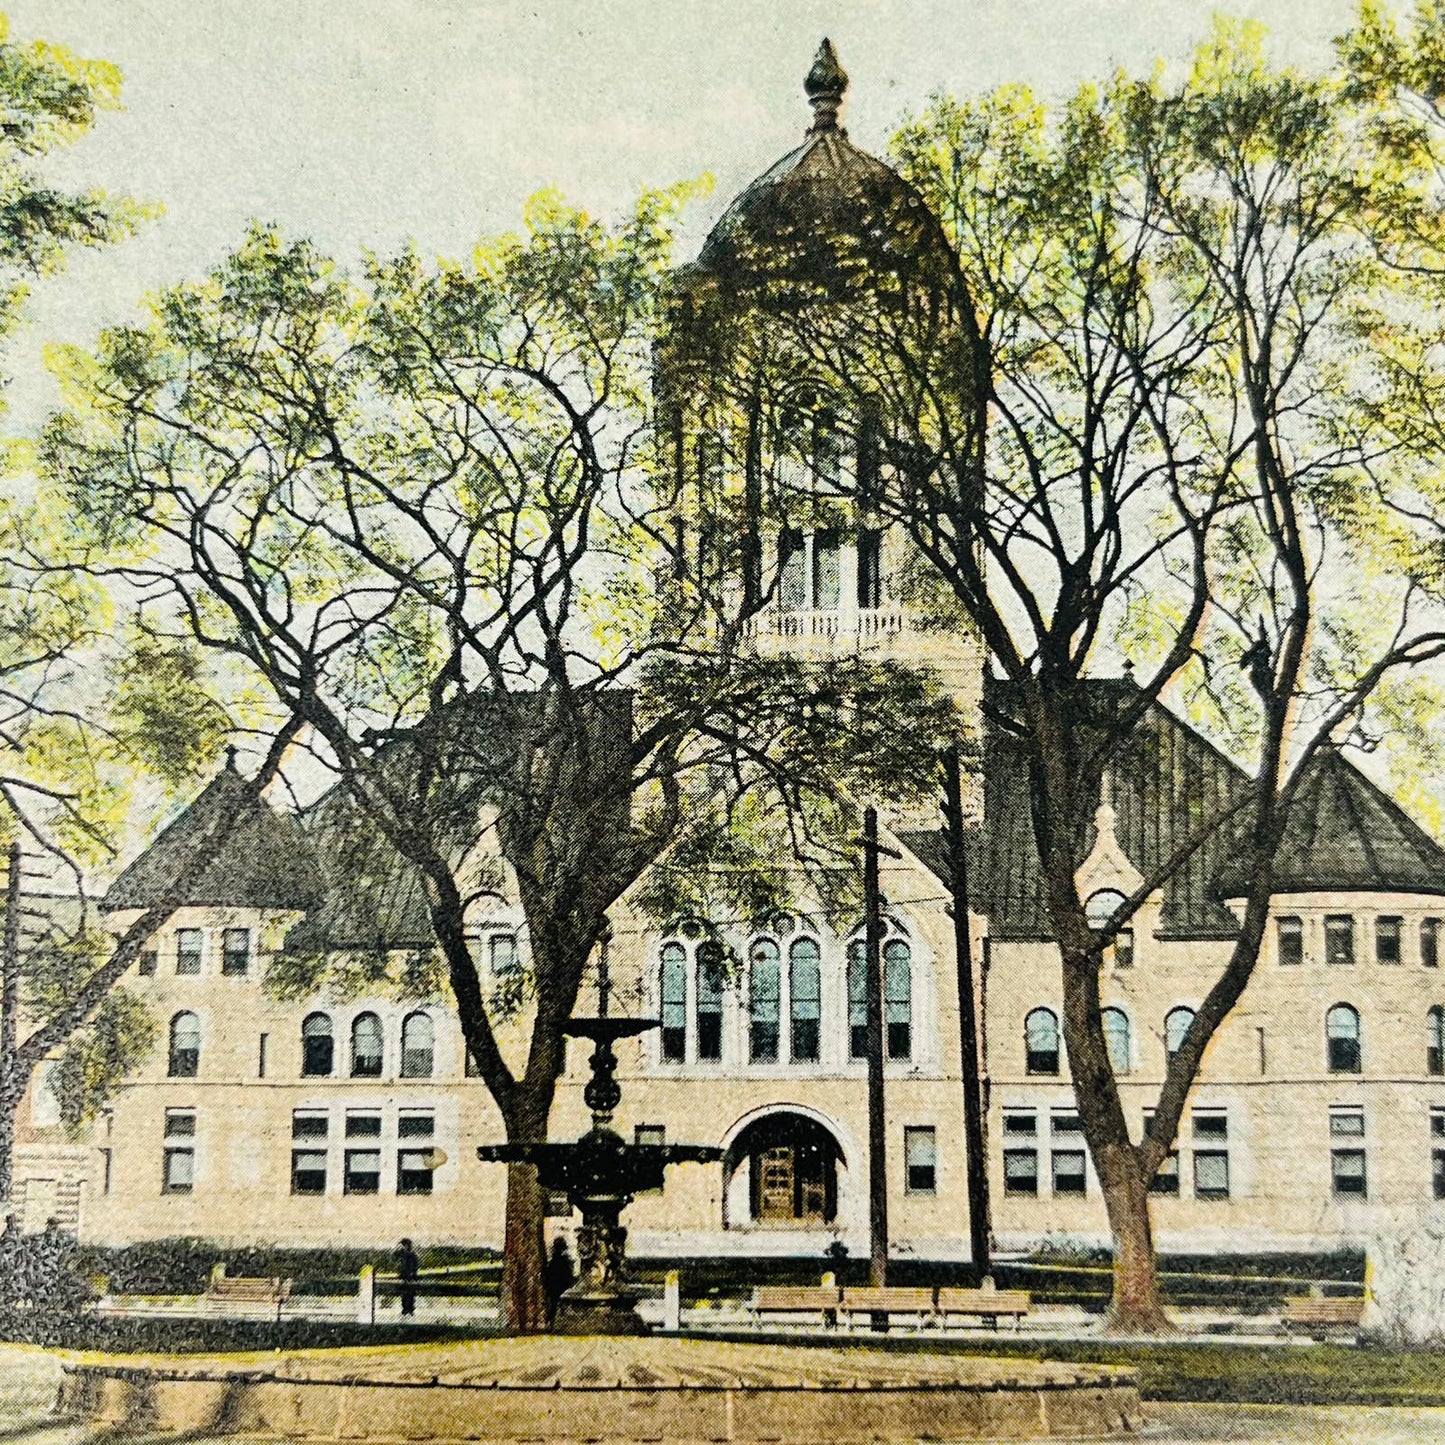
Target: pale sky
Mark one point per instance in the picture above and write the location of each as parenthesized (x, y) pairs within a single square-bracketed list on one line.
[(364, 122)]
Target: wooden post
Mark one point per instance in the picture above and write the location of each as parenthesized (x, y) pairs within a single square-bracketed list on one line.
[(366, 1295), (877, 1120), (975, 1164)]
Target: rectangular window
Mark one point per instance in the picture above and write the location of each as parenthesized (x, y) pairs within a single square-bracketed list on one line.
[(1210, 1124), (1347, 1173), (188, 950), (179, 1156), (792, 574), (1387, 939), (308, 1124), (1066, 1123), (857, 1000), (1437, 1164), (1339, 938), (413, 1171), (1430, 942), (502, 954), (261, 1056), (1068, 1171), (1124, 948), (416, 1125), (1166, 1177), (1290, 938), (363, 1126), (870, 568), (363, 1171), (1211, 1174), (308, 1171), (1347, 1123), (650, 1134), (1020, 1171), (827, 571), (148, 960), (236, 951), (709, 1007), (920, 1160), (1021, 1124)]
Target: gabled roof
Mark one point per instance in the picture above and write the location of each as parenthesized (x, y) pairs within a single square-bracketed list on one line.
[(264, 863), (1168, 783)]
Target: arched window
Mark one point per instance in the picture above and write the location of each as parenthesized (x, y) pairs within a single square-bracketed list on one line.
[(366, 1047), (1041, 1041), (1116, 1038), (857, 1000), (416, 1046), (1100, 907), (898, 998), (709, 1000), (672, 994), (1342, 1039), (318, 1050), (1435, 1041), (1176, 1026), (185, 1051), (805, 993), (764, 1001)]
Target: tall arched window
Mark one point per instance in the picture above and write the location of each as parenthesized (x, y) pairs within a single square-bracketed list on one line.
[(672, 995), (1435, 1041), (1342, 1039), (366, 1047), (1176, 1026), (1116, 1039), (709, 1000), (857, 1000), (764, 1001), (416, 1046), (898, 998), (1041, 1041), (185, 1051), (318, 1049), (805, 993)]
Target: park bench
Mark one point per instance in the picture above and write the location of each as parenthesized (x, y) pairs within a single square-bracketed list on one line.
[(812, 1304), (1320, 1316), (889, 1301), (226, 1292), (986, 1304)]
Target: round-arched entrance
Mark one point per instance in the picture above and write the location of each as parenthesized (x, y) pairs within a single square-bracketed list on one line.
[(782, 1171)]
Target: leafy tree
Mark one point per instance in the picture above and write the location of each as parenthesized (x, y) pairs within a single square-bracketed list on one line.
[(1146, 434), (424, 507), (60, 792)]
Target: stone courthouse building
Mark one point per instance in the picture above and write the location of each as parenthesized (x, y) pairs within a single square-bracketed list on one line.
[(356, 1119)]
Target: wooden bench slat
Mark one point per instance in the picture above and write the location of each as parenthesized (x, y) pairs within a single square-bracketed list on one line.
[(983, 1301)]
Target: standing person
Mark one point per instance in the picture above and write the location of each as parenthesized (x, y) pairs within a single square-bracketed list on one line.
[(557, 1277), (408, 1266)]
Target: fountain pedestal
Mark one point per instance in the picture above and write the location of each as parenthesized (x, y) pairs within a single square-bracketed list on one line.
[(600, 1173)]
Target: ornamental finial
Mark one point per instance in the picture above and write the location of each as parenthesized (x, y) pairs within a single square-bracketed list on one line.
[(826, 82)]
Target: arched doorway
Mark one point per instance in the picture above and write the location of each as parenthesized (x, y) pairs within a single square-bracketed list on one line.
[(791, 1167)]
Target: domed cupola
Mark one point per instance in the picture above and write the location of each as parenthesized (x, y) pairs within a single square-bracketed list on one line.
[(828, 221)]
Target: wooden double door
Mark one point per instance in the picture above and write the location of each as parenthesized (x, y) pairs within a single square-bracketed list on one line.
[(793, 1184)]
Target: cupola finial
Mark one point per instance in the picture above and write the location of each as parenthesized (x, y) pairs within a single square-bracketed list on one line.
[(825, 85)]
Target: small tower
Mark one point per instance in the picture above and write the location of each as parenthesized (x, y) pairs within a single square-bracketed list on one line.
[(787, 463)]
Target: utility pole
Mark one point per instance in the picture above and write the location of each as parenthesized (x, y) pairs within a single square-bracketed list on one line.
[(9, 1017), (976, 1165), (877, 1122)]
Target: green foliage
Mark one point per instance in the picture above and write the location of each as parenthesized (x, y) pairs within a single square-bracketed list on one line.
[(113, 1042)]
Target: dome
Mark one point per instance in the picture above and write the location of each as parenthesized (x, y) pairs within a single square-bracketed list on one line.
[(828, 216)]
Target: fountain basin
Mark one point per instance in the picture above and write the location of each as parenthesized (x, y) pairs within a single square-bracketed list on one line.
[(548, 1388)]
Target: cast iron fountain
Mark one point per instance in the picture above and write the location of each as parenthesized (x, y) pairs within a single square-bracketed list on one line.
[(600, 1173)]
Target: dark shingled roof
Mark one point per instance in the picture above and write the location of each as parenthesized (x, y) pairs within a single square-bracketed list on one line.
[(265, 863), (1344, 834)]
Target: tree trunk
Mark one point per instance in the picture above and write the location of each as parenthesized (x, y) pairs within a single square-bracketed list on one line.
[(1136, 1307), (524, 1302), (9, 1107)]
